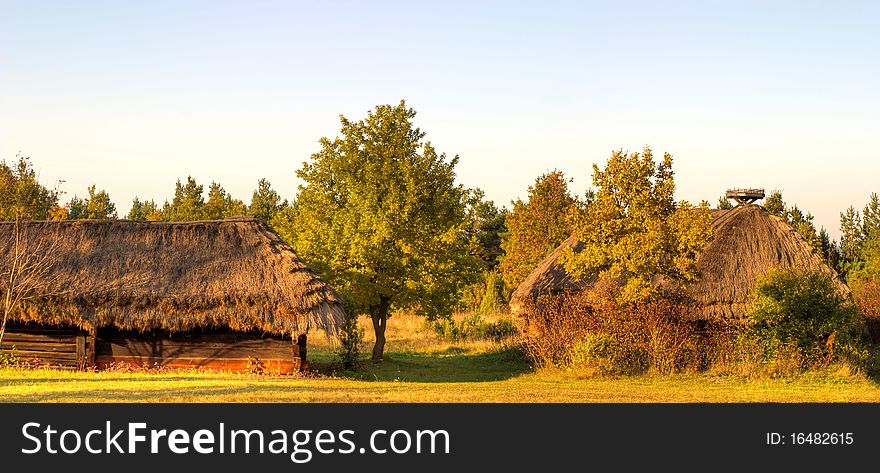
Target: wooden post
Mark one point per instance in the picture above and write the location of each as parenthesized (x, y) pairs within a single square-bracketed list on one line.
[(302, 343), (80, 350), (90, 351)]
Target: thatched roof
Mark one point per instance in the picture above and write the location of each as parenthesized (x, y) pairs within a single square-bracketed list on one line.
[(549, 277), (748, 242), (234, 274)]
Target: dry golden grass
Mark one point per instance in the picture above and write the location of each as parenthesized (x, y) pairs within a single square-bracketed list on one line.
[(407, 333), (182, 386)]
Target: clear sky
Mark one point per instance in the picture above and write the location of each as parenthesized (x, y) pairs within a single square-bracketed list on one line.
[(134, 95)]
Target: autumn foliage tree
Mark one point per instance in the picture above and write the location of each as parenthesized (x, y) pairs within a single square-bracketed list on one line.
[(634, 231), (536, 227), (97, 206), (21, 193), (380, 216)]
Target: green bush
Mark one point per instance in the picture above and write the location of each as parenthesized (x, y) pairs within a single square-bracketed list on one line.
[(803, 310), (351, 339), (493, 297), (472, 327)]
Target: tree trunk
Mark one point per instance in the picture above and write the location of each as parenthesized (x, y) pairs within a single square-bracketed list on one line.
[(3, 329), (379, 315)]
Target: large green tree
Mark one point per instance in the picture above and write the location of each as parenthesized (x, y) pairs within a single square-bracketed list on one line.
[(635, 231), (380, 216), (537, 226)]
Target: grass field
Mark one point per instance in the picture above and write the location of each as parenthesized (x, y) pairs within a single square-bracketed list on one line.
[(421, 367)]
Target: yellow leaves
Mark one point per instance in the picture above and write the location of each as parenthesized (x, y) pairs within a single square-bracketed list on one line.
[(634, 231), (636, 289), (57, 212), (538, 226)]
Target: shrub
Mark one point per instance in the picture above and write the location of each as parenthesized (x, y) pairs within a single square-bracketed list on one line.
[(493, 297), (867, 296), (351, 339), (472, 327), (802, 310), (585, 330)]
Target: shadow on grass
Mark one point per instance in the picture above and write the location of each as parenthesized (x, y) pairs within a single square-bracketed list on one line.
[(450, 366)]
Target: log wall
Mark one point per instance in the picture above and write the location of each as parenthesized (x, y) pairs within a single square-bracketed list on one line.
[(211, 350), (44, 345)]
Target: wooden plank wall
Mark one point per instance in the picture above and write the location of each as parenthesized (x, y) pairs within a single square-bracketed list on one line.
[(212, 350), (42, 345)]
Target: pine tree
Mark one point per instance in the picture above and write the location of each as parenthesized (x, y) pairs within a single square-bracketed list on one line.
[(775, 205), (871, 217), (220, 204), (265, 202), (724, 203), (76, 208), (851, 235), (187, 203)]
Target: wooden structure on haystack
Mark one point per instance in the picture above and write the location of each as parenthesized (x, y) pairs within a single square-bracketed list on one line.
[(219, 295), (745, 196)]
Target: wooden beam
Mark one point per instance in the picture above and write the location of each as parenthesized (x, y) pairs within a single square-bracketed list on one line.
[(81, 350)]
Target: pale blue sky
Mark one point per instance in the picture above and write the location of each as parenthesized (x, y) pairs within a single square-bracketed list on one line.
[(133, 95)]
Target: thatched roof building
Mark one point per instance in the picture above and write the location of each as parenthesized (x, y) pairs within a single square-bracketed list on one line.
[(549, 277), (748, 241), (233, 274)]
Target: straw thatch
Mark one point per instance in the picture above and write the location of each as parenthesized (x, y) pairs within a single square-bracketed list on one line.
[(234, 274), (549, 277), (748, 242)]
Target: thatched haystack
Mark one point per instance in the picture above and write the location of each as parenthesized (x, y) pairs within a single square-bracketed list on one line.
[(231, 276), (748, 242), (549, 277)]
